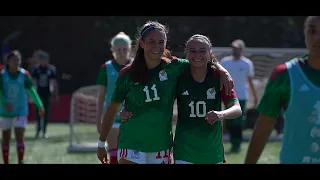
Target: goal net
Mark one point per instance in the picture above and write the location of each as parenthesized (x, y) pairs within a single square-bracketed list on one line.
[(83, 112)]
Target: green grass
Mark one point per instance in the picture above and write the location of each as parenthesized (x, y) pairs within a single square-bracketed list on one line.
[(54, 149)]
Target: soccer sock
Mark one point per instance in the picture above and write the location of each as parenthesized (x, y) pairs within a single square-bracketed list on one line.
[(20, 150), (5, 153), (113, 156)]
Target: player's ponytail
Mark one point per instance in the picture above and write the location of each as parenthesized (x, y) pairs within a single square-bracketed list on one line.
[(138, 68)]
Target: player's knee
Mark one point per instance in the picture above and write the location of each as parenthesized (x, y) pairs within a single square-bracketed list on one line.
[(19, 134), (6, 136)]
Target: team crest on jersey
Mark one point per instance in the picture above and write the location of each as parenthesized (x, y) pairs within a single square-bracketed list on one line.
[(211, 93), (163, 75)]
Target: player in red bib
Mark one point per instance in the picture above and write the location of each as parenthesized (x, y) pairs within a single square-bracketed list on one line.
[(148, 87)]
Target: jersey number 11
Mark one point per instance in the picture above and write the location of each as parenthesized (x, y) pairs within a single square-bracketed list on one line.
[(155, 93)]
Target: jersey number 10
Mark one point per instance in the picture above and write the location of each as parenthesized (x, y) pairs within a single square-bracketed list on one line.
[(155, 93), (195, 109)]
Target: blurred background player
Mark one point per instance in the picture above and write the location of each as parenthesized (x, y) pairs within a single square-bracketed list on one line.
[(242, 72), (44, 77), (121, 51), (148, 88), (199, 98), (15, 83), (295, 87)]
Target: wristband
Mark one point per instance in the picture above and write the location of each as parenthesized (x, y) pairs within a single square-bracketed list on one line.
[(102, 144)]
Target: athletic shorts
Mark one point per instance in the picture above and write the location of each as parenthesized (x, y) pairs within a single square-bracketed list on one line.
[(185, 162), (16, 122), (162, 157)]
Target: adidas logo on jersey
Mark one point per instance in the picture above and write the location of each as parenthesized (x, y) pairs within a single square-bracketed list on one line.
[(304, 88), (186, 93)]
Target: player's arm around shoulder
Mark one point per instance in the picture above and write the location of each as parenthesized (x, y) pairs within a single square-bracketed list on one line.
[(179, 65), (226, 80)]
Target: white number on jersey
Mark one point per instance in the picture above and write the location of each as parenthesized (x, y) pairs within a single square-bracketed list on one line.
[(155, 93), (195, 109)]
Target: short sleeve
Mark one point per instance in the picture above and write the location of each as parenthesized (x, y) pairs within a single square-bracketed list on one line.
[(120, 91), (102, 78), (226, 99), (250, 71), (28, 80), (276, 94)]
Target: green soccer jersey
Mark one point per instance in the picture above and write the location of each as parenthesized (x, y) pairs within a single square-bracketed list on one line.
[(196, 141), (150, 127), (277, 92)]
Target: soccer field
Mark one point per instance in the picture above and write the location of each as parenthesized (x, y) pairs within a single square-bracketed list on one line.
[(54, 149)]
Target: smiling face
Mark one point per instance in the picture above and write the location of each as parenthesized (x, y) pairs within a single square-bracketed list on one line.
[(153, 43), (198, 53), (121, 47), (121, 52)]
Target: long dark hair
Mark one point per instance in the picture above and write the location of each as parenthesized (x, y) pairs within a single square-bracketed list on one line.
[(138, 68)]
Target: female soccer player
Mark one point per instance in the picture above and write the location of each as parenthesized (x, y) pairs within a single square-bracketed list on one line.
[(148, 87), (198, 137), (295, 87), (121, 49), (15, 83), (199, 134)]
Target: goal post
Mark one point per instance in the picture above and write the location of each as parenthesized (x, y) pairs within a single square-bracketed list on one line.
[(82, 125)]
